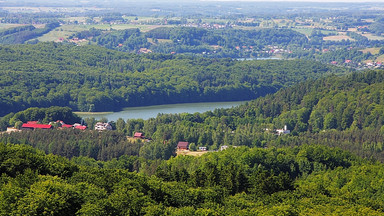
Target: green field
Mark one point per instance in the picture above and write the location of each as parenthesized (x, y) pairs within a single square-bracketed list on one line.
[(373, 51), (380, 58), (7, 26), (373, 37), (308, 31), (65, 31)]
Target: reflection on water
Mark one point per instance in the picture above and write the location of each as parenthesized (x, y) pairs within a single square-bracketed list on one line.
[(152, 111)]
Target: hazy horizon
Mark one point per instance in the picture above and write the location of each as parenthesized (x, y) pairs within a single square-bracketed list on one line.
[(105, 1)]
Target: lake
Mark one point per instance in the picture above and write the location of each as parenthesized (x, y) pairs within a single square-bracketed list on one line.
[(152, 111)]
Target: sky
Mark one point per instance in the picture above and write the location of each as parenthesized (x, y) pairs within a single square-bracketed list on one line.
[(306, 0)]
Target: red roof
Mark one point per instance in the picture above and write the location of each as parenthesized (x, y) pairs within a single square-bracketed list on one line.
[(182, 145), (137, 134), (81, 127), (34, 126), (66, 126)]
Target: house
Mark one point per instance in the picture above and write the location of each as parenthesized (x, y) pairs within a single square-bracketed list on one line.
[(29, 126), (203, 148), (12, 129), (66, 126), (182, 146), (145, 50), (80, 127), (100, 126), (138, 135), (283, 131), (223, 147)]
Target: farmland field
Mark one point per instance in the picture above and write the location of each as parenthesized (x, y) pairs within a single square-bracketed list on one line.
[(337, 38), (373, 37), (380, 58), (7, 26), (373, 51)]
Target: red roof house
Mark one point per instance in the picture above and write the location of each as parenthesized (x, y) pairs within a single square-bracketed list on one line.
[(182, 145), (138, 135), (81, 127), (29, 126)]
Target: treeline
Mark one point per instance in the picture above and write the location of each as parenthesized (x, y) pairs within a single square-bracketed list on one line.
[(350, 102), (345, 112), (233, 182), (91, 78), (340, 56), (42, 115), (29, 18), (71, 143), (232, 43), (19, 35)]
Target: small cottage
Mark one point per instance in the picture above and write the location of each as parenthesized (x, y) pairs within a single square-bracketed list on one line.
[(182, 146), (203, 148), (138, 135), (100, 126), (283, 131), (222, 148)]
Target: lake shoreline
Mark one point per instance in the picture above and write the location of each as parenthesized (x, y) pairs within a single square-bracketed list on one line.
[(146, 112)]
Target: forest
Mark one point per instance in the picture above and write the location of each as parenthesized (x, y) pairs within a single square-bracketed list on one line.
[(344, 112), (330, 162), (90, 78), (238, 181)]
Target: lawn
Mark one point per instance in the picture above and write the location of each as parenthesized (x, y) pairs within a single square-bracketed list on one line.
[(191, 153), (380, 58), (143, 28), (305, 31), (308, 31), (4, 26), (337, 38), (373, 37), (65, 31), (373, 51)]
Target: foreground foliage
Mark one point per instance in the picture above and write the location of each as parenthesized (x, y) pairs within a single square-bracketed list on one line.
[(289, 181)]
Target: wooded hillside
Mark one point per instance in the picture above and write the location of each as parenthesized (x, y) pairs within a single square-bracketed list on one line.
[(91, 78)]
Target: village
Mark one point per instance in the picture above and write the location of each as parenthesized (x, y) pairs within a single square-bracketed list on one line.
[(183, 147)]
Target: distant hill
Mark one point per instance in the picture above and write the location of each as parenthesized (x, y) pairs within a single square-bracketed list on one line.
[(91, 78)]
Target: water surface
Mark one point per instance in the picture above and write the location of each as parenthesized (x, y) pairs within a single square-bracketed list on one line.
[(152, 111)]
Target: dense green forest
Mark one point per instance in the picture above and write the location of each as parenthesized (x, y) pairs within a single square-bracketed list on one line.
[(346, 112), (308, 171), (330, 163), (91, 78), (304, 180)]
